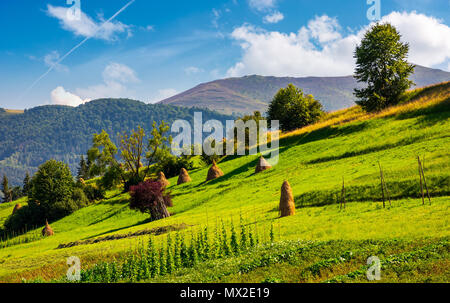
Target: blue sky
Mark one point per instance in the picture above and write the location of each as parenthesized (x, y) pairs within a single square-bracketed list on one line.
[(154, 49)]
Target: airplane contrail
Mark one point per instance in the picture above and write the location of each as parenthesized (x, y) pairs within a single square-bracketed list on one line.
[(74, 48)]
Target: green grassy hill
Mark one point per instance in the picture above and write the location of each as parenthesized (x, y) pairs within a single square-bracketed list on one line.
[(321, 242)]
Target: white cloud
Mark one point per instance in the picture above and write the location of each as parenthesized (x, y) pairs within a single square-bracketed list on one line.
[(191, 70), (428, 37), (85, 26), (321, 49), (119, 73), (163, 94), (60, 96), (115, 76), (52, 59), (275, 17), (324, 29), (262, 5)]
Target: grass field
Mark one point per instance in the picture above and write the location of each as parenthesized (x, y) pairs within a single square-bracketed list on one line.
[(411, 239)]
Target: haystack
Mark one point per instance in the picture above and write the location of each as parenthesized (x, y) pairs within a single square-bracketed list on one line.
[(162, 179), (183, 177), (214, 172), (287, 205), (47, 231), (262, 165), (16, 208)]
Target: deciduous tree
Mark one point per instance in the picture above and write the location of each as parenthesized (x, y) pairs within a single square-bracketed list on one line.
[(381, 63)]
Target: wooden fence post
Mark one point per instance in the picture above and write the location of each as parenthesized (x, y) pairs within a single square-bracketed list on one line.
[(421, 184), (382, 187), (424, 180), (342, 205)]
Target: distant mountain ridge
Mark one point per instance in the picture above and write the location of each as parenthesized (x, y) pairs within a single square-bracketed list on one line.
[(247, 94)]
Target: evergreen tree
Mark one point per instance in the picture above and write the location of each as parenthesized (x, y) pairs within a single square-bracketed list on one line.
[(381, 64), (7, 193), (184, 252), (153, 258), (26, 184), (234, 241), (193, 252), (170, 262), (243, 234), (225, 247), (177, 252), (83, 169), (162, 262)]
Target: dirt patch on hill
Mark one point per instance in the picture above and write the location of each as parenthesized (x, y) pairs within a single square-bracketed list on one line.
[(154, 231)]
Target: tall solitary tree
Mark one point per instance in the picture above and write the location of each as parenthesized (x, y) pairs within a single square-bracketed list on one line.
[(381, 63)]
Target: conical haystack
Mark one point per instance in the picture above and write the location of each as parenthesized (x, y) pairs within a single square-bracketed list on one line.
[(162, 179), (262, 165), (16, 208), (183, 177), (287, 205), (47, 231), (214, 172)]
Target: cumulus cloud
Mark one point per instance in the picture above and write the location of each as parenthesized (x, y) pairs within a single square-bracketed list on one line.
[(428, 37), (85, 26), (321, 48), (324, 29), (60, 96), (115, 77), (275, 17), (119, 73)]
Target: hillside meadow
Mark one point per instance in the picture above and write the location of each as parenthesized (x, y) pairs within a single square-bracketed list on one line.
[(408, 235)]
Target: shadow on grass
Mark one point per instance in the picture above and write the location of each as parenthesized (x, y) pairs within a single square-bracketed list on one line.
[(368, 150), (148, 220)]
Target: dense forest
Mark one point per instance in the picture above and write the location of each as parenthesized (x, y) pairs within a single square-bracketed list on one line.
[(64, 133)]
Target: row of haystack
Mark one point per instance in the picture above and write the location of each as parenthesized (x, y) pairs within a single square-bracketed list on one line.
[(287, 204), (214, 172)]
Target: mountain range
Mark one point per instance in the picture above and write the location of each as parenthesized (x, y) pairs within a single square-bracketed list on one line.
[(236, 96)]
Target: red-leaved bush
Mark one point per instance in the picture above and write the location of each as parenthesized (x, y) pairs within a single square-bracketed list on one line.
[(149, 197)]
